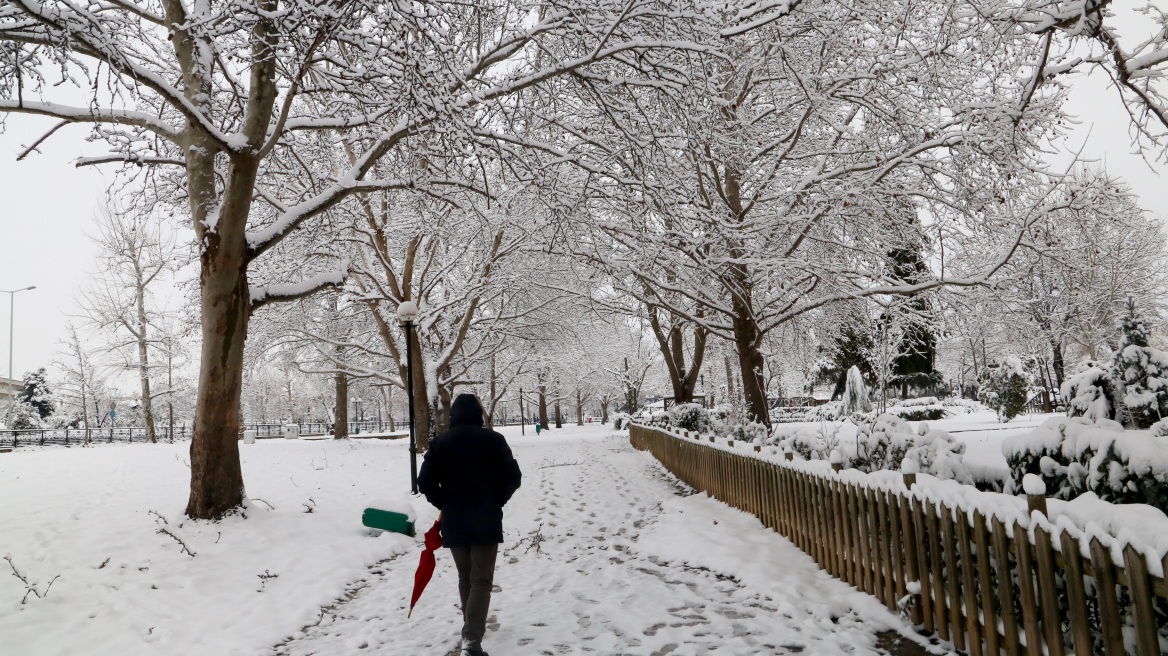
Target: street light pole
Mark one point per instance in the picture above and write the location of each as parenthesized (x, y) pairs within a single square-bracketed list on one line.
[(407, 312), (11, 324), (522, 418)]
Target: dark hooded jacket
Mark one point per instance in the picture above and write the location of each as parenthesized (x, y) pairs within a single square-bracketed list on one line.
[(469, 474)]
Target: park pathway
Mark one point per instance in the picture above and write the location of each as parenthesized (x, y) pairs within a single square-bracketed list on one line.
[(607, 554)]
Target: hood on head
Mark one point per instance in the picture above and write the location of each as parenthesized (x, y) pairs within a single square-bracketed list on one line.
[(466, 409)]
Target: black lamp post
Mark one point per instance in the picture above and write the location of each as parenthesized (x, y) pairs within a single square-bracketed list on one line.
[(407, 312)]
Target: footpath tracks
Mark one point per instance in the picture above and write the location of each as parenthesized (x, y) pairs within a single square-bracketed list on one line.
[(574, 578)]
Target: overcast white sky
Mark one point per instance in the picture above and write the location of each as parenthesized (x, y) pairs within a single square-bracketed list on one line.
[(48, 205)]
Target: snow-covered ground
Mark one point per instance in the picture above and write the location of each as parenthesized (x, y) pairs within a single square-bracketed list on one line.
[(983, 434), (605, 554)]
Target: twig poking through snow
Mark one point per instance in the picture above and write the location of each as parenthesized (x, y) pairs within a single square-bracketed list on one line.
[(183, 545), (158, 516), (30, 588), (560, 464), (270, 506), (103, 563), (534, 540), (264, 579), (310, 506)]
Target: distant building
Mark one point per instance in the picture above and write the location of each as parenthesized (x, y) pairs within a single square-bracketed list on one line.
[(8, 390)]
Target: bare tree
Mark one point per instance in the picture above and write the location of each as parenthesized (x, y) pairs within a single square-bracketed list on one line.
[(135, 254)]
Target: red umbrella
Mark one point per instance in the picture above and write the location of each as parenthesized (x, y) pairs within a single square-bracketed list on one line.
[(433, 540)]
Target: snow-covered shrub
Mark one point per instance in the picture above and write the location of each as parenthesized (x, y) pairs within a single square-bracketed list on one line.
[(1074, 455), (885, 444), (918, 402), (659, 418), (1141, 372), (749, 432), (881, 445), (24, 416), (1004, 387), (1160, 428), (890, 443), (926, 408), (621, 420), (940, 454), (1090, 392), (959, 406), (918, 414), (830, 411), (809, 442), (690, 417)]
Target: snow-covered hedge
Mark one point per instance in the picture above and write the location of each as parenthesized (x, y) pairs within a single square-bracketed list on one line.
[(887, 444), (926, 408), (830, 411), (1074, 455), (621, 420), (959, 406)]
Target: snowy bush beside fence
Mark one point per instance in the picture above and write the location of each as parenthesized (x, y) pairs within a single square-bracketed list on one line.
[(883, 445), (690, 417), (621, 420), (1074, 456)]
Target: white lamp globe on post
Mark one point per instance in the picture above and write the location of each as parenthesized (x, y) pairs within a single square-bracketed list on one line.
[(407, 313)]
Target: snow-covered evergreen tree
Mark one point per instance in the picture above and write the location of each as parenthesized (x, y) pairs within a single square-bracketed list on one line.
[(37, 394), (1003, 387), (1141, 372), (856, 393)]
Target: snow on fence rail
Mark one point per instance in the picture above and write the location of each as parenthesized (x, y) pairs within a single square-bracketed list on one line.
[(902, 538)]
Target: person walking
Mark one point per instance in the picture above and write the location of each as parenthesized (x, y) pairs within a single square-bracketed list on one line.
[(469, 474)]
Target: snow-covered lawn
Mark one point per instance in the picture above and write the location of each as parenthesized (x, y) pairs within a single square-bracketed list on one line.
[(604, 555), (983, 434)]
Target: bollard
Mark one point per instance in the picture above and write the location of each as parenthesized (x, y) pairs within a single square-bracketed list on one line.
[(249, 436)]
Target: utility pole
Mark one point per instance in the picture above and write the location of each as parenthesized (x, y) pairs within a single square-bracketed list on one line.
[(11, 325)]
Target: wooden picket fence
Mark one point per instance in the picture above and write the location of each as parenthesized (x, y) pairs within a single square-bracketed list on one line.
[(985, 587)]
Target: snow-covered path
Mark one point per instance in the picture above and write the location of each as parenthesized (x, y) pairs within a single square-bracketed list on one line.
[(606, 554)]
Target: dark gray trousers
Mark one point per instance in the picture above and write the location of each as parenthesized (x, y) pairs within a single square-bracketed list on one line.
[(476, 576)]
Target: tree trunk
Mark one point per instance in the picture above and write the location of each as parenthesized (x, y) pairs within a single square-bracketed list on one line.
[(1057, 362), (672, 346), (170, 391), (751, 366), (543, 414), (494, 396), (752, 386), (579, 410), (216, 475), (604, 401), (341, 411), (423, 413), (631, 390), (559, 417), (729, 380)]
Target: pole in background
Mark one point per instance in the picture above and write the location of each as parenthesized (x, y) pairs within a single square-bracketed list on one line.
[(407, 312), (522, 417), (11, 323)]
